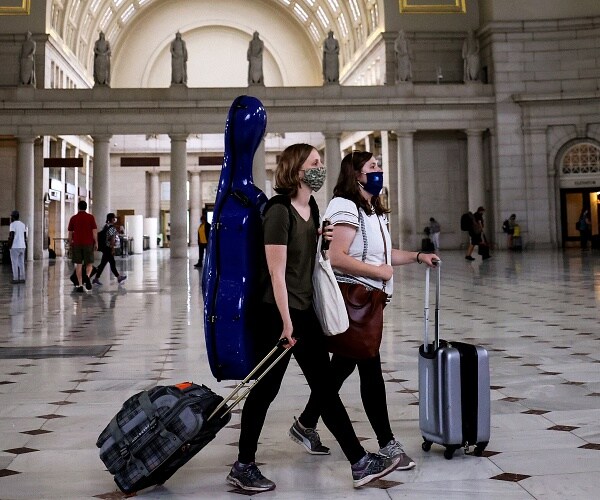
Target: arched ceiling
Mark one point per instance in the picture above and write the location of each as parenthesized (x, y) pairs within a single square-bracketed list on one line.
[(78, 22)]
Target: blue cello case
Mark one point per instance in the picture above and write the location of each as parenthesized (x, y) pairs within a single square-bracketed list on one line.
[(235, 247)]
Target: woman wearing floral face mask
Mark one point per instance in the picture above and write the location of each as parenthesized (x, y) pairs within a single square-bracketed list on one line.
[(361, 253), (290, 230)]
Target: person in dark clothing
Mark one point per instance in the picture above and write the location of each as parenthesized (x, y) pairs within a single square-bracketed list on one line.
[(584, 226), (203, 231), (476, 235), (108, 251), (287, 313)]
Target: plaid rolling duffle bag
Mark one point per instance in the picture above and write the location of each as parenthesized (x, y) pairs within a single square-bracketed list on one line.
[(157, 431)]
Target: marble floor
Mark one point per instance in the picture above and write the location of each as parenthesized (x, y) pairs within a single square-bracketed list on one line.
[(68, 361)]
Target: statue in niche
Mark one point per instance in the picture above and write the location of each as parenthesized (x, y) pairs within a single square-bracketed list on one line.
[(102, 61), (255, 60), (179, 57), (470, 54), (27, 72), (404, 56), (331, 61)]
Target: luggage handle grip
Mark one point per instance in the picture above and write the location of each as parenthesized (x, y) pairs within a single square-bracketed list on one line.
[(281, 342), (438, 265)]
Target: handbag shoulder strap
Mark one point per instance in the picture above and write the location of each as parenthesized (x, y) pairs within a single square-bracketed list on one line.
[(384, 248)]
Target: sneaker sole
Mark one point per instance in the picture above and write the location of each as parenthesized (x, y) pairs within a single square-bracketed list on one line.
[(365, 480), (411, 465), (301, 442), (238, 484)]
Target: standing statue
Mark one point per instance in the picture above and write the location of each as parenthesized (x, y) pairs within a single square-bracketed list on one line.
[(403, 58), (102, 61), (470, 54), (27, 73), (179, 58), (331, 61), (255, 60)]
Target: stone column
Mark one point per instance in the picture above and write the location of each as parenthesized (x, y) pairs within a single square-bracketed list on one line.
[(101, 185), (154, 195), (38, 199), (25, 186), (259, 166), (195, 207), (475, 174), (407, 202), (333, 159), (389, 150), (178, 196)]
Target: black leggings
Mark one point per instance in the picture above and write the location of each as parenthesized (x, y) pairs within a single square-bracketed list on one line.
[(313, 359), (372, 393), (107, 258)]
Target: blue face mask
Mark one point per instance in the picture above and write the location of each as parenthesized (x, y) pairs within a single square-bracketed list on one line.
[(374, 183)]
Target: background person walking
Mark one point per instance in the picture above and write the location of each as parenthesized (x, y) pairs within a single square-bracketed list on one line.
[(83, 239), (434, 233), (110, 235), (17, 243), (203, 230)]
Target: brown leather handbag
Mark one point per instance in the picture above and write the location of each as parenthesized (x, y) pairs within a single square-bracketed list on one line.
[(365, 314)]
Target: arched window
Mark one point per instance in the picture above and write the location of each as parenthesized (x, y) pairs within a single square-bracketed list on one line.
[(581, 158)]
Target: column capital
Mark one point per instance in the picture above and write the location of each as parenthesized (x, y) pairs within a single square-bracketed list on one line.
[(26, 138), (101, 137), (405, 133), (475, 131), (179, 137), (332, 135)]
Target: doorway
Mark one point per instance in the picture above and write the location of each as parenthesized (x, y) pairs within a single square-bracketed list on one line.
[(572, 201)]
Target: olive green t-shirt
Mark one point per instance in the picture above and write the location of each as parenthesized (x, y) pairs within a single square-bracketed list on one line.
[(301, 251)]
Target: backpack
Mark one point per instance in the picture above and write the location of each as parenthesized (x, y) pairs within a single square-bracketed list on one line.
[(467, 221), (102, 236), (281, 199), (506, 226)]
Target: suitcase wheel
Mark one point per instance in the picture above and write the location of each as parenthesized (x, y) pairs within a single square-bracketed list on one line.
[(449, 452), (426, 445)]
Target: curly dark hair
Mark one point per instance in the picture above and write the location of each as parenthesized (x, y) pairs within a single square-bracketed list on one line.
[(347, 184), (287, 177)]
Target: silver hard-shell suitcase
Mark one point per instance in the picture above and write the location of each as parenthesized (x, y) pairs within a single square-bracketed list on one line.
[(454, 389)]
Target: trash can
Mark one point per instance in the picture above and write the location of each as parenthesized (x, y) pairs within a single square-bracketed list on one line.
[(146, 243), (125, 246)]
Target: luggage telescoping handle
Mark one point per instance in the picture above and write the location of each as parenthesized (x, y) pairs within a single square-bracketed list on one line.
[(241, 385), (436, 342)]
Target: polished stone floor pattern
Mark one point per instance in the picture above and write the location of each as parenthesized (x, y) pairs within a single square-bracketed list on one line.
[(68, 361)]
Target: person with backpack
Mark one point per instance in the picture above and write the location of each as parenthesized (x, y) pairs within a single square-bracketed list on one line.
[(508, 227), (476, 236), (290, 230), (107, 241), (361, 255)]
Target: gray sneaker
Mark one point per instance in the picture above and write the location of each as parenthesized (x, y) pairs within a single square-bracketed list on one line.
[(394, 449), (309, 438), (248, 477), (372, 466)]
